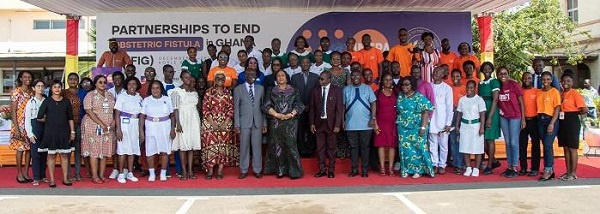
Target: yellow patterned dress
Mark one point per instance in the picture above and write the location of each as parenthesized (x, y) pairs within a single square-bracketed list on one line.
[(20, 142)]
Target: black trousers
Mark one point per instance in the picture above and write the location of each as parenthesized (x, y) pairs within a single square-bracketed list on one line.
[(530, 131), (306, 140), (359, 142)]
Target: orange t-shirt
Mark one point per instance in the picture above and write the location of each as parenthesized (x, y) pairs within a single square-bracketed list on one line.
[(458, 63), (547, 100), (530, 102), (356, 56), (230, 74), (457, 93), (477, 80), (403, 55), (448, 59), (572, 101), (371, 60)]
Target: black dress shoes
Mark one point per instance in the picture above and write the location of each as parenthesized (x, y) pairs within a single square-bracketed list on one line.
[(365, 175), (258, 175), (320, 174), (331, 175), (243, 175), (353, 173)]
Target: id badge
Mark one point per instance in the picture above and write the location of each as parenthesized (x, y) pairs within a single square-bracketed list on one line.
[(105, 105), (125, 120), (561, 115)]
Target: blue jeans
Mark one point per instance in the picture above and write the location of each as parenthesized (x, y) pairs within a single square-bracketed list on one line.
[(457, 157), (511, 128), (547, 140)]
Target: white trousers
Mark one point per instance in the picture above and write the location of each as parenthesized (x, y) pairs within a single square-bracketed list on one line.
[(438, 148)]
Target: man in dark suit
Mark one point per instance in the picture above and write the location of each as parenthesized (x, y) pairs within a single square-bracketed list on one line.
[(325, 118), (538, 69), (304, 82)]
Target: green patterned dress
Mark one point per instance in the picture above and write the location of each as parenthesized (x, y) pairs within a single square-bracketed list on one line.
[(414, 153)]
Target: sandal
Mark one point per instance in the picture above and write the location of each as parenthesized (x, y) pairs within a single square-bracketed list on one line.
[(564, 176), (391, 172), (382, 171), (88, 175), (183, 177), (36, 183), (78, 177), (97, 181), (52, 185), (209, 176), (219, 175), (192, 176)]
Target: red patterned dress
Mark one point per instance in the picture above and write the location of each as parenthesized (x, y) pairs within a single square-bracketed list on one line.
[(93, 143), (218, 146), (20, 142)]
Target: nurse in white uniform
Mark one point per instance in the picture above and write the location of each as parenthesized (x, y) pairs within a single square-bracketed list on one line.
[(127, 111)]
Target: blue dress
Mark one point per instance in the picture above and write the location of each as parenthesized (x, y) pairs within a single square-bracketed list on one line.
[(413, 148)]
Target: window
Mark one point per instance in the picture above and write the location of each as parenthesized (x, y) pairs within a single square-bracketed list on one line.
[(41, 24), (81, 24), (49, 24), (93, 23), (572, 10)]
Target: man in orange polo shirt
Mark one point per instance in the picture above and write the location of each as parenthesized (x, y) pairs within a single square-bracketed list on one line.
[(114, 57), (356, 56), (465, 55), (402, 53), (371, 57), (447, 57)]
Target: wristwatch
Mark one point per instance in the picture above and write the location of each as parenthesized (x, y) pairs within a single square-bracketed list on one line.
[(422, 127)]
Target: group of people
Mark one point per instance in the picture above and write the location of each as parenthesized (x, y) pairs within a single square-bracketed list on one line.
[(419, 107)]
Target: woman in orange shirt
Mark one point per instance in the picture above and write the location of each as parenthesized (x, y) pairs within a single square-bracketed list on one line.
[(548, 108), (573, 105), (229, 72), (530, 131)]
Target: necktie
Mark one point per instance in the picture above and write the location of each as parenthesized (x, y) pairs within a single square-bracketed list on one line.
[(323, 100), (305, 77), (538, 79), (251, 94)]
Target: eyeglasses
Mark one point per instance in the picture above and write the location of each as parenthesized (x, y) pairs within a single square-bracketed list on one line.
[(502, 74), (223, 57)]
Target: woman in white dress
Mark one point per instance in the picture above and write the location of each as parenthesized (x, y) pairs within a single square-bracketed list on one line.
[(185, 109), (158, 121), (470, 124), (127, 112)]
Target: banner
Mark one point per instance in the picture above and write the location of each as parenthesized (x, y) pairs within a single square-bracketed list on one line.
[(486, 38), (156, 39), (71, 59)]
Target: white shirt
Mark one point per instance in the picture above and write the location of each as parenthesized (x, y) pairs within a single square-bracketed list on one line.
[(326, 89), (248, 88), (114, 92), (396, 81), (31, 112), (443, 111), (291, 71), (256, 54), (129, 104), (470, 107), (266, 70), (160, 107), (238, 68), (318, 69)]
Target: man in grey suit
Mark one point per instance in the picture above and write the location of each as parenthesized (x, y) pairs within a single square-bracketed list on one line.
[(304, 82), (250, 123)]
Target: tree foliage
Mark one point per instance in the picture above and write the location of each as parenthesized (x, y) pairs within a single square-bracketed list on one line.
[(534, 29)]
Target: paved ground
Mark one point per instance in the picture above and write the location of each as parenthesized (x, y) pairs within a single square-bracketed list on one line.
[(580, 196)]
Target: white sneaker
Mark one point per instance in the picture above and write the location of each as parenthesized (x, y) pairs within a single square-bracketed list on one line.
[(151, 178), (131, 177), (163, 178), (121, 178), (475, 172), (397, 166), (469, 171), (114, 174)]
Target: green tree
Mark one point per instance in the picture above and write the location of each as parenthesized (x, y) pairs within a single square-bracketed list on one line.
[(537, 28)]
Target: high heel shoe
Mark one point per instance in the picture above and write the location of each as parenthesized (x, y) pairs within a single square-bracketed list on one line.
[(391, 172), (219, 175), (382, 171), (68, 184), (52, 185), (548, 178)]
